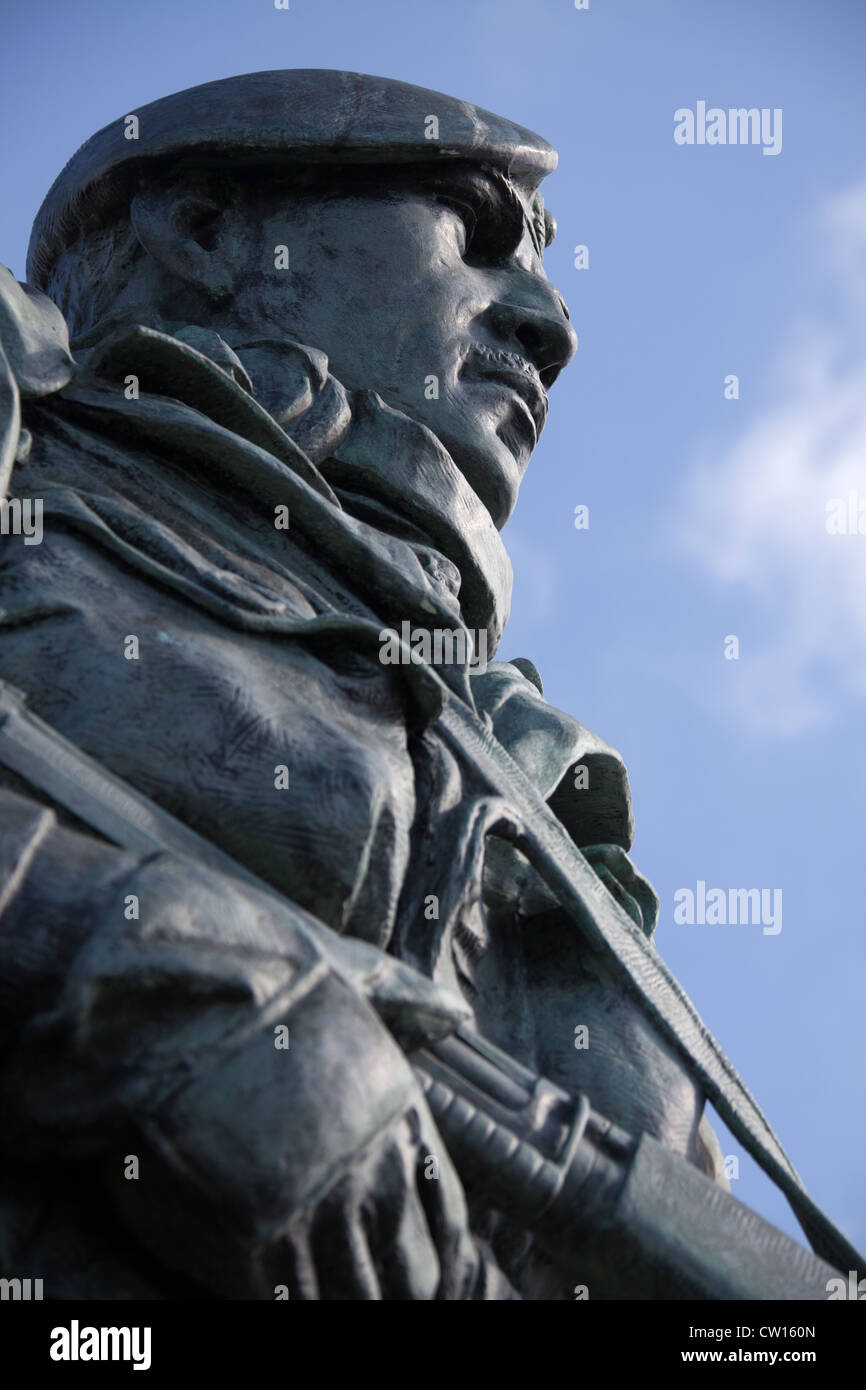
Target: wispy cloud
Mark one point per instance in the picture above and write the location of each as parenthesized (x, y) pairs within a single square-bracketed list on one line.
[(753, 514)]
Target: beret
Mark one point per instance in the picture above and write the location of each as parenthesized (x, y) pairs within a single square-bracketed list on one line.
[(300, 115)]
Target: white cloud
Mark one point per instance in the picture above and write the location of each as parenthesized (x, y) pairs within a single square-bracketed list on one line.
[(754, 513)]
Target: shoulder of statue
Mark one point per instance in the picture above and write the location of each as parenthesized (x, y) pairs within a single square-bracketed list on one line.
[(582, 778), (35, 360)]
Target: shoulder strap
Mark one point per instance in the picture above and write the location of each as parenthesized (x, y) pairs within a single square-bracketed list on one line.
[(554, 855)]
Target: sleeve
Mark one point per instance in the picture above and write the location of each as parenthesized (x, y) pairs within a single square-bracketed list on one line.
[(155, 1010)]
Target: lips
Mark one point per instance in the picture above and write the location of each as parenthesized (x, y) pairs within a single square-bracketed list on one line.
[(513, 371)]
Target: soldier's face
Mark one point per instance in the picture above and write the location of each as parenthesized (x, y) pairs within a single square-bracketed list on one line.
[(390, 289)]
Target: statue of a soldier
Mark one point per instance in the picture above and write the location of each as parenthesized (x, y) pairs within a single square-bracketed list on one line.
[(311, 344)]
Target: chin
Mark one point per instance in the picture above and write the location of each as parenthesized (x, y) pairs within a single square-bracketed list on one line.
[(500, 472), (492, 472), (491, 458)]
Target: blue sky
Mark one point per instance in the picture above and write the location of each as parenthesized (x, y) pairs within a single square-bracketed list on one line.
[(707, 515)]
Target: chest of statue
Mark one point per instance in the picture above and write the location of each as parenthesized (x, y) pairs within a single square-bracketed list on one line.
[(299, 764), (293, 762)]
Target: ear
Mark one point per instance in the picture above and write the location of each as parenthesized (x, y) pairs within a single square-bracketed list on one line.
[(180, 231)]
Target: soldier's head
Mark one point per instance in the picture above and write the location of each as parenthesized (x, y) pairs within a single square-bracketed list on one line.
[(397, 230)]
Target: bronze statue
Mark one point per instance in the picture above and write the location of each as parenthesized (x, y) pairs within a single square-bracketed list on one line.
[(325, 972)]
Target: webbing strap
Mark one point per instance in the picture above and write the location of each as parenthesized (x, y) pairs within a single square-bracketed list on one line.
[(554, 855)]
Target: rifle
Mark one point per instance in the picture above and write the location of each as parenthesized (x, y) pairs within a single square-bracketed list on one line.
[(596, 1197), (617, 1213)]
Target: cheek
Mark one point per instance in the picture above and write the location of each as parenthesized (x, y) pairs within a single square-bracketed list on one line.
[(437, 312), (408, 316), (396, 302)]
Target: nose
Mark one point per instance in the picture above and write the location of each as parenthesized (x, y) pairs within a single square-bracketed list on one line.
[(543, 331)]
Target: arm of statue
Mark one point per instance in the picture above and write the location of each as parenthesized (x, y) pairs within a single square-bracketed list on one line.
[(283, 1145)]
